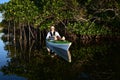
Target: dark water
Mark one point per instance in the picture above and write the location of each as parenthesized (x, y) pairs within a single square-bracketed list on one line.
[(91, 60), (4, 60)]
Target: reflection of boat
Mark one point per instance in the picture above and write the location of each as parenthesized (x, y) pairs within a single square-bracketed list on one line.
[(61, 48)]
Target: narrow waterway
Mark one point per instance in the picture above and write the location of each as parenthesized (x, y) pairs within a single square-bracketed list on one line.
[(4, 59), (91, 60)]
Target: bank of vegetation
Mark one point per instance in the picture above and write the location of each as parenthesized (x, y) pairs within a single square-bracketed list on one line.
[(86, 19), (26, 23)]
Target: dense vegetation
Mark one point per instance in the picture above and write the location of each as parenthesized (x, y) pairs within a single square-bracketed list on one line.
[(29, 20), (78, 17)]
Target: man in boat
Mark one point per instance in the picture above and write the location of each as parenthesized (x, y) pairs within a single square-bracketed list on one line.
[(53, 35)]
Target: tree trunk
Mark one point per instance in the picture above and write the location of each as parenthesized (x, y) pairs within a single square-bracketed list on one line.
[(40, 37), (25, 38), (14, 33), (29, 34), (8, 37), (20, 32), (20, 39)]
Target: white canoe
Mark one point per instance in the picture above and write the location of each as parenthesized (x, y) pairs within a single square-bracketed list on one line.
[(61, 48)]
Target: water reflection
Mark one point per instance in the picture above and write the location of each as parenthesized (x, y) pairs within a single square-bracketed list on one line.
[(3, 53), (10, 77), (100, 60), (90, 61), (4, 60)]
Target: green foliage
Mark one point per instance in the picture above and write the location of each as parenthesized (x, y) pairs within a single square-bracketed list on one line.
[(87, 28), (43, 13), (21, 11)]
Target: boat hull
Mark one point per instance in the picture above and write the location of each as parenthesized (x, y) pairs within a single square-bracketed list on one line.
[(61, 49)]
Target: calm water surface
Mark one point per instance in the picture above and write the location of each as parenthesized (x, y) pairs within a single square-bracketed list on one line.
[(4, 59), (91, 60)]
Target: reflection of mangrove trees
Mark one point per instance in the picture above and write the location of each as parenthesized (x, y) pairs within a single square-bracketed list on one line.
[(37, 66), (99, 61), (89, 61)]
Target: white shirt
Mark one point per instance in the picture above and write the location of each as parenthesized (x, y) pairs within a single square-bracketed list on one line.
[(49, 35)]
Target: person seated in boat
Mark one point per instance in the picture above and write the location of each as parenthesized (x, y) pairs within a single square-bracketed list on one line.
[(54, 35)]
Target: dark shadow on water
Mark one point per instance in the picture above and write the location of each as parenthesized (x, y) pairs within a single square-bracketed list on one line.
[(90, 61)]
